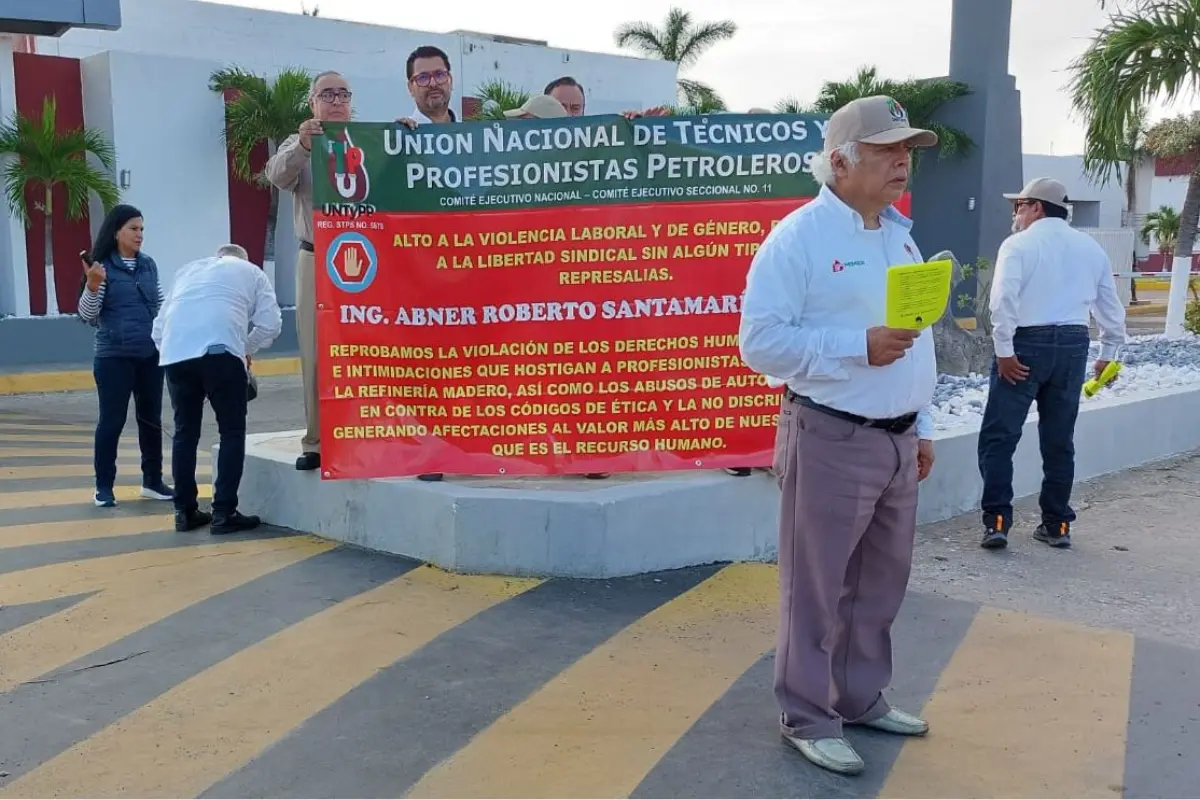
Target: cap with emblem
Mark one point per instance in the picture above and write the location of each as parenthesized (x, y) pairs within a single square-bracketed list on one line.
[(540, 106), (874, 120), (1047, 190)]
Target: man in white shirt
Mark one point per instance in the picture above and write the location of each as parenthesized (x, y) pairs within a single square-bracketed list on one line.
[(219, 312), (1048, 278), (854, 429)]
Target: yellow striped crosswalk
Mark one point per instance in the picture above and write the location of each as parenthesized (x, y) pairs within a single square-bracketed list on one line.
[(343, 655), (210, 725), (1037, 707), (600, 726), (131, 591)]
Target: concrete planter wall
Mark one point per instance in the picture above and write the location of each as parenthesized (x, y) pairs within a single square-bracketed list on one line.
[(643, 523)]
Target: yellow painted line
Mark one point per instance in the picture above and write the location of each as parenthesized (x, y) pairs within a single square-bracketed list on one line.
[(1027, 707), (127, 453), (187, 739), (71, 497), (83, 380), (17, 427), (273, 367), (81, 530), (48, 438), (600, 726), (134, 590), (59, 452), (77, 471), (1147, 310)]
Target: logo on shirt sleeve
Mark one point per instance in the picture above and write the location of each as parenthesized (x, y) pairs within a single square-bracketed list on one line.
[(352, 262)]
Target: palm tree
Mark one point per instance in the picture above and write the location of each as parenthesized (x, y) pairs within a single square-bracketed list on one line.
[(495, 97), (921, 98), (40, 159), (792, 105), (683, 41), (1103, 161), (1142, 55), (261, 112), (1163, 225)]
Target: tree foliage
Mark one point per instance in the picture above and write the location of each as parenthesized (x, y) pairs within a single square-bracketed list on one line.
[(495, 97), (683, 40), (921, 98), (40, 157), (260, 111)]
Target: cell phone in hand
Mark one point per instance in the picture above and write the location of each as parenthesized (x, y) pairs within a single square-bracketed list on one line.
[(85, 257)]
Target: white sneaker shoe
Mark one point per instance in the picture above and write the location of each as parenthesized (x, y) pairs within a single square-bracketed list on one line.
[(835, 755), (899, 723)]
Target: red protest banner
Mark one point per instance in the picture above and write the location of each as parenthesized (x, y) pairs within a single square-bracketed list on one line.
[(541, 341)]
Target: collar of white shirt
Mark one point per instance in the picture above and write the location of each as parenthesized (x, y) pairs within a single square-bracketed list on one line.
[(420, 118), (853, 219)]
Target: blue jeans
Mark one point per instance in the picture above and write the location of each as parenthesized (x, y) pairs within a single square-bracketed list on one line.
[(1057, 359), (222, 380), (118, 378)]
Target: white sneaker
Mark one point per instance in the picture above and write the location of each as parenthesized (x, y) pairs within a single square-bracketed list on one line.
[(835, 755), (899, 723)]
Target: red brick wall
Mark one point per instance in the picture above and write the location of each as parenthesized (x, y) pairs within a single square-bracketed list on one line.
[(249, 204), (38, 77)]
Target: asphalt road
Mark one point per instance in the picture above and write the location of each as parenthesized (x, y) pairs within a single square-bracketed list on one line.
[(139, 662)]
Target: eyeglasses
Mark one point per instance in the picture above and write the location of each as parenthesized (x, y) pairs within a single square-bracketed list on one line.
[(425, 78), (330, 95)]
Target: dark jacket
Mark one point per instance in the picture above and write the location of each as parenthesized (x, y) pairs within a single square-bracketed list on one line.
[(130, 301)]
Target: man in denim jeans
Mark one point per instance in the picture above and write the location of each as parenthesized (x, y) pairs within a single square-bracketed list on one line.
[(1049, 277)]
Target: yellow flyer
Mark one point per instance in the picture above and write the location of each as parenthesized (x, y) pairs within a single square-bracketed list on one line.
[(917, 294)]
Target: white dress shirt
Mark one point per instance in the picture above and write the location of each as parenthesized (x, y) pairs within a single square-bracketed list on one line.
[(217, 301), (1052, 274), (816, 284)]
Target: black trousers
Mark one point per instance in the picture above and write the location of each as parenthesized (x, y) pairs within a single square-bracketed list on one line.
[(117, 379), (222, 380)]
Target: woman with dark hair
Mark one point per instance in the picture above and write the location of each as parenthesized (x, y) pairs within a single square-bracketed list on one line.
[(120, 298)]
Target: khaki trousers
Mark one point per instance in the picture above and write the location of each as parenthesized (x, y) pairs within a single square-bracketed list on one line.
[(306, 334), (847, 523)]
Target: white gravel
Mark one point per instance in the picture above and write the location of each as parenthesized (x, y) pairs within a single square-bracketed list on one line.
[(1149, 364)]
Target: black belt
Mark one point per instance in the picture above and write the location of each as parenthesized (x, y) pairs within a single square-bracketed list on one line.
[(306, 246), (892, 425)]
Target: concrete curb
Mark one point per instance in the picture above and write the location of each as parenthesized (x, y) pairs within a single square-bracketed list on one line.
[(75, 380), (1146, 310), (638, 523)]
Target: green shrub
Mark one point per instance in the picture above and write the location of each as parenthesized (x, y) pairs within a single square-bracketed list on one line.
[(1191, 316)]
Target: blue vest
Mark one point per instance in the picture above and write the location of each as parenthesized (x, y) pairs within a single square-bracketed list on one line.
[(130, 305)]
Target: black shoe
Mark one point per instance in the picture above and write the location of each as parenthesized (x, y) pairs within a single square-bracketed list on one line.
[(738, 472), (431, 477), (233, 523), (308, 461), (1054, 534), (190, 520), (995, 534)]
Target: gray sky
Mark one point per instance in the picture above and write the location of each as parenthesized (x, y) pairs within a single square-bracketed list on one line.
[(786, 48)]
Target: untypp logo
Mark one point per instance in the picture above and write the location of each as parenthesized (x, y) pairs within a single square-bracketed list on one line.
[(352, 262), (348, 169), (838, 265)]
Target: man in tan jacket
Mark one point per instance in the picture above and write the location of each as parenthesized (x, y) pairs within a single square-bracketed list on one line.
[(289, 170)]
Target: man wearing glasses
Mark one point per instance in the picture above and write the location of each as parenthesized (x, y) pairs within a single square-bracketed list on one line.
[(431, 85), (289, 170), (1049, 279)]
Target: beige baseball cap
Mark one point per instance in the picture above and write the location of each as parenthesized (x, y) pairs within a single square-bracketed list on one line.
[(540, 106), (1047, 190), (874, 120)]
